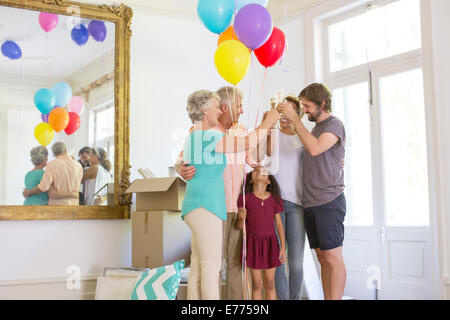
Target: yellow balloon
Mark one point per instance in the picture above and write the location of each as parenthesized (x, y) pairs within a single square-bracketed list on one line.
[(232, 61), (44, 133)]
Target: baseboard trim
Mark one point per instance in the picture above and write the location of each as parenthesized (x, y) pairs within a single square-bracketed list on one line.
[(47, 289)]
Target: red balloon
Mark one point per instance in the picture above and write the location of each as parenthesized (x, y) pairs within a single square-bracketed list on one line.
[(74, 123), (272, 50)]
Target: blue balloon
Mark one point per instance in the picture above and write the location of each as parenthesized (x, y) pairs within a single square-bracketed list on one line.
[(243, 3), (63, 93), (216, 15), (44, 100), (11, 50), (80, 34)]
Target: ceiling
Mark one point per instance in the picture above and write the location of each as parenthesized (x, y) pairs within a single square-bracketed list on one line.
[(46, 55), (277, 8)]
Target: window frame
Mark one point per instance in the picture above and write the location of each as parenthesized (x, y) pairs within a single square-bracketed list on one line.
[(312, 24), (108, 141), (370, 72), (348, 14)]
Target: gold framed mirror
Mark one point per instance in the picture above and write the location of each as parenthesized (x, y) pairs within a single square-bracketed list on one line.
[(74, 62)]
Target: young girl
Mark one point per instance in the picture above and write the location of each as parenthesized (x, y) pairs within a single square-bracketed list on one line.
[(263, 204)]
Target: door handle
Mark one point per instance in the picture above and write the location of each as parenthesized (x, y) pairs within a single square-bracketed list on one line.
[(383, 231)]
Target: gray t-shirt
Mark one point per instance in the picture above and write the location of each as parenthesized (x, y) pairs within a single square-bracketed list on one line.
[(323, 175)]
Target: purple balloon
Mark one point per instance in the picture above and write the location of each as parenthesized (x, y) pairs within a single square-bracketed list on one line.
[(97, 30), (253, 25), (44, 117)]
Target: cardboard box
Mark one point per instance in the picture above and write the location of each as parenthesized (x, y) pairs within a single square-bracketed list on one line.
[(182, 292), (158, 194), (159, 238)]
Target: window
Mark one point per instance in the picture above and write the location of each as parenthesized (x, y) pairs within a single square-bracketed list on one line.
[(102, 129), (373, 66), (351, 106), (404, 148), (382, 31)]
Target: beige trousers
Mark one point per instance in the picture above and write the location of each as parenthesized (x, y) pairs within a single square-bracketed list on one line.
[(232, 246), (206, 255)]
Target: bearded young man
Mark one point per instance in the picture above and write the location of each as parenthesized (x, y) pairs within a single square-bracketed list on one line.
[(323, 183)]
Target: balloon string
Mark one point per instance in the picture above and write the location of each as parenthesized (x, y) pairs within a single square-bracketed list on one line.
[(264, 81), (282, 69), (229, 104), (262, 90), (245, 280), (48, 61)]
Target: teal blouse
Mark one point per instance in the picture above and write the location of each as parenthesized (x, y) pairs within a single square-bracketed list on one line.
[(32, 179), (206, 189)]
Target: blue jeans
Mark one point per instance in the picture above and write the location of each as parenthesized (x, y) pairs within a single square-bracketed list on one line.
[(294, 229)]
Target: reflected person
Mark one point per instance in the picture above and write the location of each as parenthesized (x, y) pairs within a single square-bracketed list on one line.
[(83, 155), (61, 179), (96, 177), (39, 158)]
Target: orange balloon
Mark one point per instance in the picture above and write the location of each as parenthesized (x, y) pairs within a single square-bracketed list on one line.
[(228, 34), (58, 119)]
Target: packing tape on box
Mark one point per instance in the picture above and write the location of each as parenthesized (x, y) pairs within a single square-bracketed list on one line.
[(146, 223)]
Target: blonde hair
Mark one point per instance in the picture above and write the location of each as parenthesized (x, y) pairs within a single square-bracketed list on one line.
[(295, 100)]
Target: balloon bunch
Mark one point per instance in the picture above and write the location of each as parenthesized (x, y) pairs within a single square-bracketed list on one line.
[(80, 34), (51, 102), (97, 30), (48, 21), (253, 30)]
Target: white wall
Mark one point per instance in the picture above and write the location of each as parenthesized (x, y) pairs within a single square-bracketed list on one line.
[(440, 10), (170, 58), (18, 120)]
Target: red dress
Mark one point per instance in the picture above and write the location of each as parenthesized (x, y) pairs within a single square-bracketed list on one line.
[(262, 243)]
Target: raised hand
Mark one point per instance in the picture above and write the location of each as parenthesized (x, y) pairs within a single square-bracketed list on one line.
[(287, 111)]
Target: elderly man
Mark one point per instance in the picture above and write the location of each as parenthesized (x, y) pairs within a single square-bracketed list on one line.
[(231, 107), (61, 179)]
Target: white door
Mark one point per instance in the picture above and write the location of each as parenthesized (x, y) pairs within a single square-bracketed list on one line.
[(406, 251), (387, 237), (362, 249)]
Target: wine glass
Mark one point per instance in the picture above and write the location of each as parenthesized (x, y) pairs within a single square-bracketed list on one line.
[(276, 99)]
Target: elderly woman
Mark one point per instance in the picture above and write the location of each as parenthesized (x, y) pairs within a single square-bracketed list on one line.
[(204, 207), (39, 158)]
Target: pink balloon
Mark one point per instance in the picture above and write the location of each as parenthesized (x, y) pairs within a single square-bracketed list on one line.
[(48, 21), (76, 104)]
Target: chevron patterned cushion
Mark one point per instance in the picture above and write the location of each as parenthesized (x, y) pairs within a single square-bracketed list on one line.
[(159, 283)]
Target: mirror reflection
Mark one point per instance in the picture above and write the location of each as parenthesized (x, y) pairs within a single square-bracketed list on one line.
[(56, 109)]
